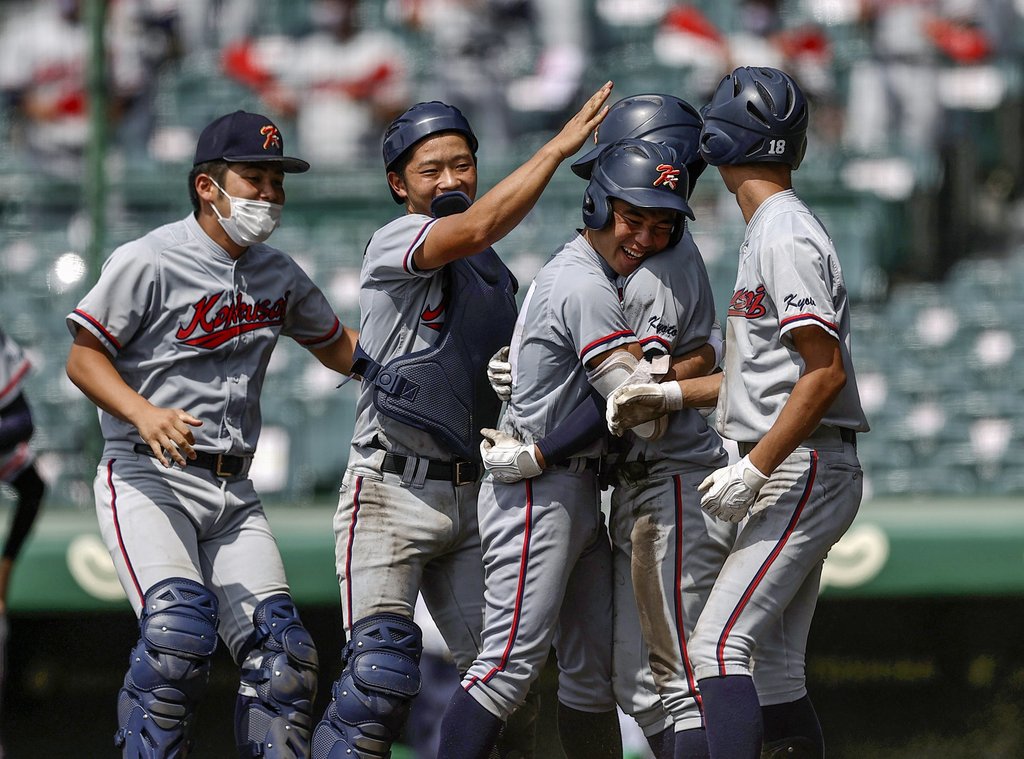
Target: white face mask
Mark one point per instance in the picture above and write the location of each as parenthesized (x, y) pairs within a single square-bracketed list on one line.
[(251, 221)]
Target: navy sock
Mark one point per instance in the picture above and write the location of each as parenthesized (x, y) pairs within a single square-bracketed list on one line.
[(692, 744), (468, 730), (733, 717), (663, 744), (589, 735), (793, 719)]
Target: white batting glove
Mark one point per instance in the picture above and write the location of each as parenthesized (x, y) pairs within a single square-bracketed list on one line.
[(632, 405), (730, 491), (499, 374), (507, 459)]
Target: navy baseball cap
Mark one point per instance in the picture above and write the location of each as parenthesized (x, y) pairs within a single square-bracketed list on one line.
[(242, 137)]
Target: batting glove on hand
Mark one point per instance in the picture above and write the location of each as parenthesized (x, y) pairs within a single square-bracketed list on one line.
[(499, 374), (631, 405), (507, 459), (730, 491)]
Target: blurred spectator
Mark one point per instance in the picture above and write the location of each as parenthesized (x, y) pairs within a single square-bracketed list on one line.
[(473, 47), (761, 37), (893, 97), (555, 84), (44, 54), (342, 84)]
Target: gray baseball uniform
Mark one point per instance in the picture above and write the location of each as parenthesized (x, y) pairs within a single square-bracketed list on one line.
[(676, 549), (546, 552), (189, 327), (789, 276), (401, 533)]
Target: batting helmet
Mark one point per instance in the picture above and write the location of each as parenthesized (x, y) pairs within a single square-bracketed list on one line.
[(756, 115), (656, 118), (420, 121), (641, 173)]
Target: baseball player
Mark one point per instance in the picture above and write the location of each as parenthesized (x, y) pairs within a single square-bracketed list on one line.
[(17, 469), (172, 344), (546, 552), (436, 302), (664, 546), (789, 398)]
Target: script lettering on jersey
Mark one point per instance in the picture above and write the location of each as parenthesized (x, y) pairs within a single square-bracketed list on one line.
[(433, 318), (214, 323), (748, 303), (795, 301), (662, 328)]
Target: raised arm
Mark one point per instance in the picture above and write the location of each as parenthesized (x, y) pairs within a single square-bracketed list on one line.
[(498, 211)]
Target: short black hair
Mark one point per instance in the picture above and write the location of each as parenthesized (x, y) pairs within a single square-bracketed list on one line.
[(215, 169)]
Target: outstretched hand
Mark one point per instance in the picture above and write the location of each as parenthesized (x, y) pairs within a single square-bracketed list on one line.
[(579, 127)]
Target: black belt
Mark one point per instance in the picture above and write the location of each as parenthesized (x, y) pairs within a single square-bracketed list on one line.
[(845, 434), (455, 472), (221, 464)]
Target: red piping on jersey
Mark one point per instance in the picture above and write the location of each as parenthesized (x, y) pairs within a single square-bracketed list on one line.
[(606, 339), (656, 339), (677, 597), (117, 529), (412, 248), (517, 613), (328, 336), (348, 552), (813, 317), (22, 371), (812, 472), (98, 326)]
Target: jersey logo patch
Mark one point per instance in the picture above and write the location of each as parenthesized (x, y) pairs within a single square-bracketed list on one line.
[(433, 318), (748, 303), (213, 325), (271, 137), (669, 176)]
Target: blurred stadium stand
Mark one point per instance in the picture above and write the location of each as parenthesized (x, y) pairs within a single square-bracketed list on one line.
[(933, 259)]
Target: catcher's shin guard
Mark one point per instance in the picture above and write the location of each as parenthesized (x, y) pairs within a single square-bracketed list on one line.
[(791, 748), (168, 671), (274, 709), (370, 701)]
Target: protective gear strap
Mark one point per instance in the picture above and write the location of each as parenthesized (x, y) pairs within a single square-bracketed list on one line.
[(370, 701), (612, 372), (274, 708), (168, 670)]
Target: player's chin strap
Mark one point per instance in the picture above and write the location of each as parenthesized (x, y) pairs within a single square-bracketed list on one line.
[(168, 670), (274, 710), (370, 701)]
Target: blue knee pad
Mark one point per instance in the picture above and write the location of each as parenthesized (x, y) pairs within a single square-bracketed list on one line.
[(168, 671), (370, 701), (274, 710)]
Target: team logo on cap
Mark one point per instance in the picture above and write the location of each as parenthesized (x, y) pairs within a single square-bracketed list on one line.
[(669, 176), (272, 137)]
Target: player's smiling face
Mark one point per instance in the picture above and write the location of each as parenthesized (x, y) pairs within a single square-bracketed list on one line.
[(439, 164), (633, 235)]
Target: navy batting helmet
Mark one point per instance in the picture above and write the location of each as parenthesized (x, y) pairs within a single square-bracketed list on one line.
[(420, 121), (665, 119), (755, 115), (641, 173)]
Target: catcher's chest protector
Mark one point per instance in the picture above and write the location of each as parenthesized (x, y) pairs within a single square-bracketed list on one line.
[(443, 389)]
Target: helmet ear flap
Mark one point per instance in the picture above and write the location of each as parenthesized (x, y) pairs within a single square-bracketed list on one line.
[(596, 208)]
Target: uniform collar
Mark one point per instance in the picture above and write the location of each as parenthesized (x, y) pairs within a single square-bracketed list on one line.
[(208, 242)]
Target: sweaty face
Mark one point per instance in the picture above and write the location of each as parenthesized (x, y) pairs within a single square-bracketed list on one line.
[(633, 235), (438, 165)]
